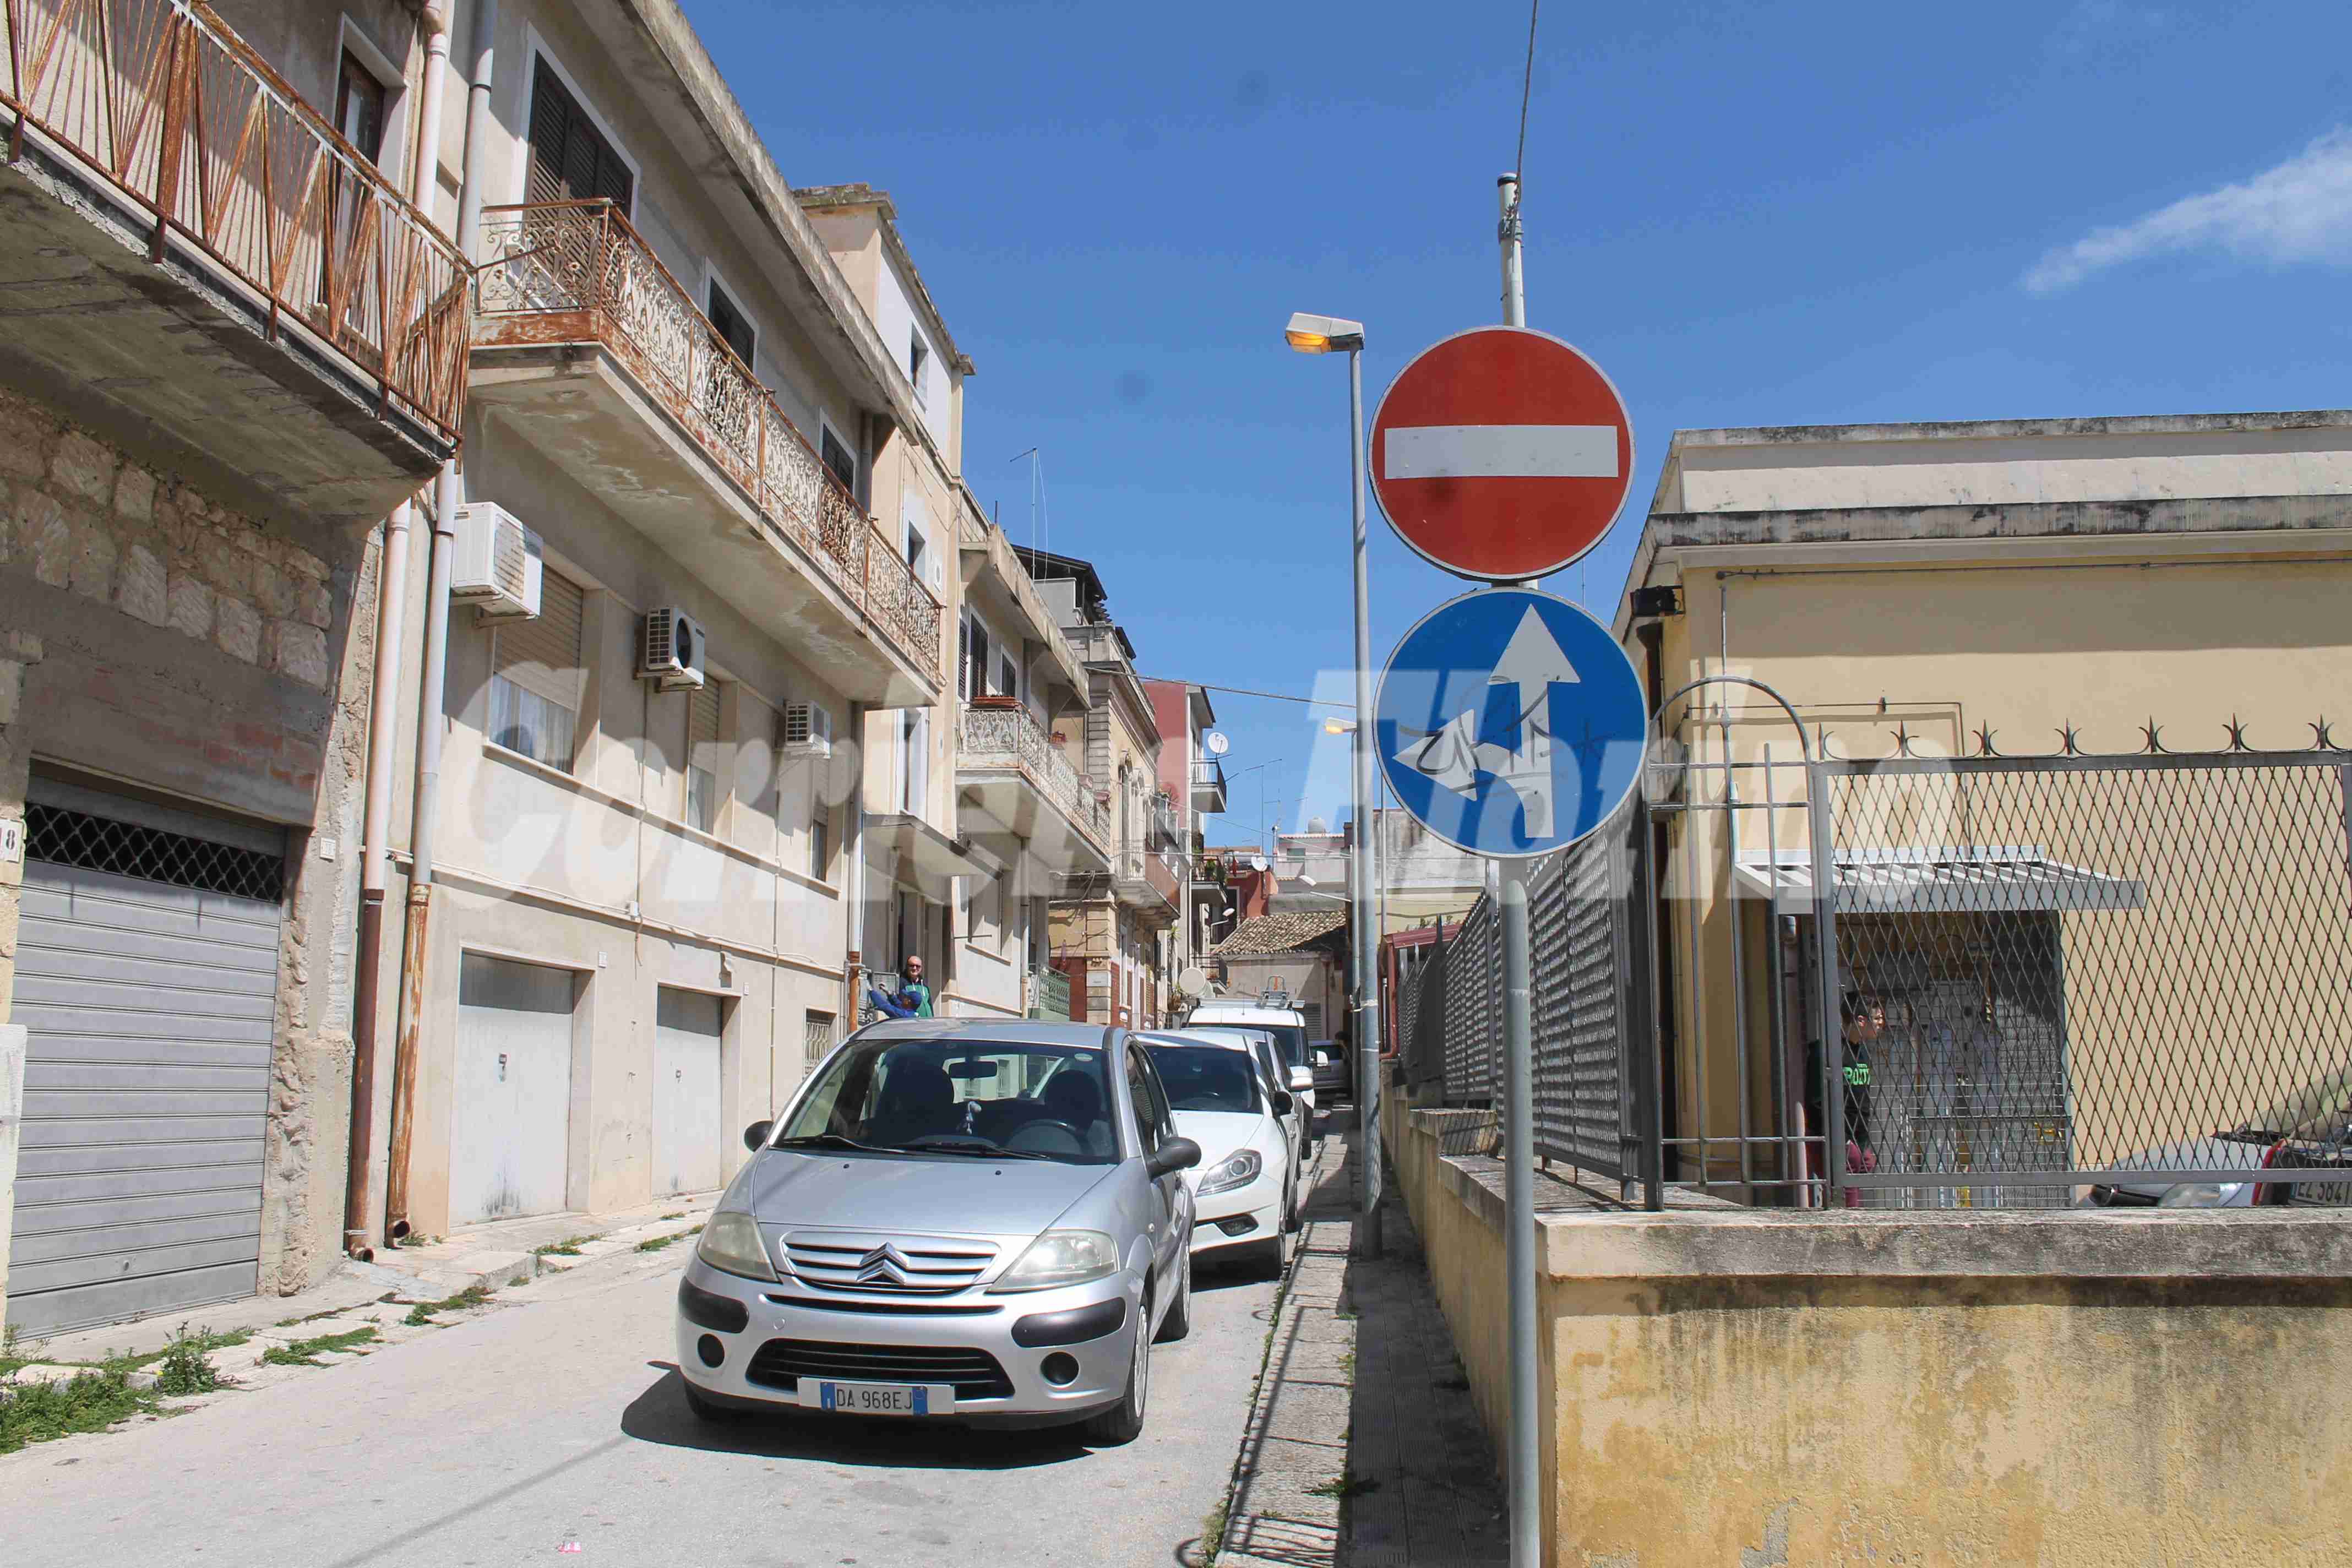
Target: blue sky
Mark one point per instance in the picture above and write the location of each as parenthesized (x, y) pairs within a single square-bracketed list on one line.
[(1749, 214)]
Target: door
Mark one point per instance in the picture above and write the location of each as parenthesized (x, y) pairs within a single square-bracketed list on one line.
[(511, 1144), (146, 979), (1171, 1197), (687, 1136)]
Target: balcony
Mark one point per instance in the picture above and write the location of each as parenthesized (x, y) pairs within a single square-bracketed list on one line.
[(1022, 796), (1151, 881), (1208, 784), (601, 360), (191, 251)]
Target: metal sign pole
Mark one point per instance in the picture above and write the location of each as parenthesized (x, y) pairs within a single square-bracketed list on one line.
[(1519, 1090)]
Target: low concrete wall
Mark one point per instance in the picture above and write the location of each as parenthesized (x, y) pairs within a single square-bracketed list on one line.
[(1755, 1388)]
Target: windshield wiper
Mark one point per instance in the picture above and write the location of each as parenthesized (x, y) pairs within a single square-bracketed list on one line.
[(948, 1144), (826, 1140)]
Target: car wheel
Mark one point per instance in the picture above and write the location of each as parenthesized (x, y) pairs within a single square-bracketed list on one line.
[(706, 1409), (1123, 1422), (1179, 1321)]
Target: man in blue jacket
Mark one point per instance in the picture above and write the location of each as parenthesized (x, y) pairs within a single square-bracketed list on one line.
[(912, 999)]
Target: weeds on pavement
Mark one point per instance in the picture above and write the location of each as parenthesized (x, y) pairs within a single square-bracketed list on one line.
[(568, 1247), (1344, 1487), (1213, 1531), (304, 1352), (679, 1214), (420, 1313), (186, 1364), (89, 1401), (656, 1243)]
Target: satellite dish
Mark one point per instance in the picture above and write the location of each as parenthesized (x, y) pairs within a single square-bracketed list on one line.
[(1257, 862), (1216, 743), (1193, 980)]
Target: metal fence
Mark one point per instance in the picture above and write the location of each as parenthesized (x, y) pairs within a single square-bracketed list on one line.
[(2038, 977)]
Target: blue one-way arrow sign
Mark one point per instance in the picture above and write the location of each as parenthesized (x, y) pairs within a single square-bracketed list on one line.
[(1511, 722)]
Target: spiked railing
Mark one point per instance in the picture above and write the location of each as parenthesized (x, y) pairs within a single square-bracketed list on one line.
[(177, 117), (565, 272)]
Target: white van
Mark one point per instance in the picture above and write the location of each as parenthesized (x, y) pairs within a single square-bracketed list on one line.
[(1286, 1027)]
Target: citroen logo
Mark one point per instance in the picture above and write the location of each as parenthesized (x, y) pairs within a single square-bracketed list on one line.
[(886, 1265)]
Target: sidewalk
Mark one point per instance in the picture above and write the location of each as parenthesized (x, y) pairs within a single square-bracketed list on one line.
[(1363, 1450)]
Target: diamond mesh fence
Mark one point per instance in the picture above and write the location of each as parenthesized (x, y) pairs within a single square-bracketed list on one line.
[(2129, 972), (66, 837)]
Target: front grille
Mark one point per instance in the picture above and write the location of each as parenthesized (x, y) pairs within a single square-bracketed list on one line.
[(881, 1309), (888, 1265), (975, 1374)]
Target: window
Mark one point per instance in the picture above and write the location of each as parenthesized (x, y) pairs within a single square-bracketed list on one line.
[(820, 835), (537, 675), (702, 758), (816, 1030), (732, 324), (839, 459), (918, 356), (359, 100), (982, 920), (914, 758), (974, 649), (1008, 675), (571, 160)]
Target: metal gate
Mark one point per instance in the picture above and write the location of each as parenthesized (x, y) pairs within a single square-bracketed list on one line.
[(147, 979)]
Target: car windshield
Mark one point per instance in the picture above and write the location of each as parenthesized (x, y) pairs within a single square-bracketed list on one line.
[(1288, 1040), (1207, 1077), (957, 1098)]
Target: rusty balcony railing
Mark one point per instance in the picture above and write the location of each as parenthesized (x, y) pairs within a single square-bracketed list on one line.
[(174, 113), (571, 271), (1012, 738)]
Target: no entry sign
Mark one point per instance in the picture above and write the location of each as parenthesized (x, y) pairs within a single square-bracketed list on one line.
[(1501, 453)]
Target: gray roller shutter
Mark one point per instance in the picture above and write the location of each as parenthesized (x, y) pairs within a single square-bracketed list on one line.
[(146, 978), (689, 1030)]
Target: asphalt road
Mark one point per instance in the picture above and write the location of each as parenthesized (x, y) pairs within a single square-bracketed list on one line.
[(558, 1420)]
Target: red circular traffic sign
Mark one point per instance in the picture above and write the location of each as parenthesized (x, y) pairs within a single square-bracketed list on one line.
[(1501, 453)]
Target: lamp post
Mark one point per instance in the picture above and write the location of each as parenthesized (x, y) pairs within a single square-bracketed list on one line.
[(1315, 334)]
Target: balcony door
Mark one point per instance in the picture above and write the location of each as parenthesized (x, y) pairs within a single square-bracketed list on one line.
[(571, 159)]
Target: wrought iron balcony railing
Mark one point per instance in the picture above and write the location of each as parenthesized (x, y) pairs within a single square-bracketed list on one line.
[(1012, 738), (562, 271), (170, 109)]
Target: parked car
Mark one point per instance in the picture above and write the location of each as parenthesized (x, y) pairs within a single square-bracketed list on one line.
[(1286, 1027), (2311, 1130), (1335, 1075), (1297, 1121), (1245, 1190), (984, 1221)]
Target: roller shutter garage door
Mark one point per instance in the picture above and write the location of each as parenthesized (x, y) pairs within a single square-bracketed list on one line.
[(146, 978), (687, 1032), (511, 1147)]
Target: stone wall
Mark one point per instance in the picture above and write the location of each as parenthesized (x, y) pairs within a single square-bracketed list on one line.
[(1772, 1386), (77, 515)]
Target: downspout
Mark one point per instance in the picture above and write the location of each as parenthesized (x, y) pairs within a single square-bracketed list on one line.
[(448, 493), (383, 725), (853, 872)]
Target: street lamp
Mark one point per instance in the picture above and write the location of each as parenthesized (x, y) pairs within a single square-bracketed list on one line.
[(1315, 334)]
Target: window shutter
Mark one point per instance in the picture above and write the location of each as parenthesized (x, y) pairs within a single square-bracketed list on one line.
[(542, 656), (702, 729), (963, 656), (569, 159), (550, 116)]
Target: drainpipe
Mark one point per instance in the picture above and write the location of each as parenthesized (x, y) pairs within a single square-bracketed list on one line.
[(390, 635), (448, 494), (853, 872)]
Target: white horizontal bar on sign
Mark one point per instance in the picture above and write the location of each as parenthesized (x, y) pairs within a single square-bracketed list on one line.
[(1500, 451)]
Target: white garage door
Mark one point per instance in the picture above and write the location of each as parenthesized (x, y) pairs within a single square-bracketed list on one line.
[(511, 1142), (146, 978), (687, 1133)]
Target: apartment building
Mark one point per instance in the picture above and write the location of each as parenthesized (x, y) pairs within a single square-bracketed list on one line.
[(1112, 934), (1192, 777), (234, 345)]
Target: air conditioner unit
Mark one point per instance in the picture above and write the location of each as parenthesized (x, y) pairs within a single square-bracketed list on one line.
[(673, 651), (808, 730), (498, 566)]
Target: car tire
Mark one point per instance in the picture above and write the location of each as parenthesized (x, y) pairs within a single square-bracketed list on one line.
[(707, 1409), (1179, 1321), (1293, 1216), (1123, 1422)]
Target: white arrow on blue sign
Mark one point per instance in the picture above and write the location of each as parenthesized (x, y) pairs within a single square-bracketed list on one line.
[(1511, 722)]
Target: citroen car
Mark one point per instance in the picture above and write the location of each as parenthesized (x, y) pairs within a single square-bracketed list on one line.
[(986, 1223)]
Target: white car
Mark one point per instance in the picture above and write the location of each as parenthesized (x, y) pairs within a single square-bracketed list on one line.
[(1286, 1027), (1298, 1121), (1245, 1193)]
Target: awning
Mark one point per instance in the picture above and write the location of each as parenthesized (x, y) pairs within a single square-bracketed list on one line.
[(1976, 879), (912, 854)]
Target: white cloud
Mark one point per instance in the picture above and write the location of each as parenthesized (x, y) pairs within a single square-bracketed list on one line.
[(2299, 211)]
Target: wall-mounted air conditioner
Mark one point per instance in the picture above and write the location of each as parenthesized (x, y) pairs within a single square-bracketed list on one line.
[(673, 651), (498, 564), (808, 730)]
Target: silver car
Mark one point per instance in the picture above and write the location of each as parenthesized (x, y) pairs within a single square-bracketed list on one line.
[(977, 1221)]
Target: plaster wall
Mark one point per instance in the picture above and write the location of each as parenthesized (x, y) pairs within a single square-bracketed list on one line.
[(1865, 1389)]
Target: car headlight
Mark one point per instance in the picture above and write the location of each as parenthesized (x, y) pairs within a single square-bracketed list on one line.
[(1060, 1258), (730, 1243), (1233, 1171), (2201, 1196)]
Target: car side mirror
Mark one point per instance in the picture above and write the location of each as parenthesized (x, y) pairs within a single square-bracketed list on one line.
[(1302, 1079), (756, 1135), (1283, 1104), (1175, 1154)]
